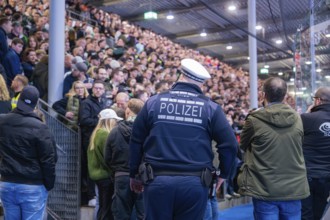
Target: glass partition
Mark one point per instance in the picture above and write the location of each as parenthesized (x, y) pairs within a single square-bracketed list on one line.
[(312, 54)]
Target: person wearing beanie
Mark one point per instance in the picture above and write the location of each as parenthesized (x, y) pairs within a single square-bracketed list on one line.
[(78, 72), (28, 158)]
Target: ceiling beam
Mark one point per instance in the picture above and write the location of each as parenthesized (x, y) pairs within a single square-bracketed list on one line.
[(271, 51), (162, 13), (245, 31), (227, 28), (99, 3), (221, 42), (180, 10), (260, 52), (279, 59)]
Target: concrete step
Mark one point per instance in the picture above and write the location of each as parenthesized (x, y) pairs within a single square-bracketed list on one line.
[(87, 213)]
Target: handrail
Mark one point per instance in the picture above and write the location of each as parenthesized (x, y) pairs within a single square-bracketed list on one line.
[(62, 117)]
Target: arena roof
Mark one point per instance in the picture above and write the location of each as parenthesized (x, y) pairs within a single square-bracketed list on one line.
[(280, 19)]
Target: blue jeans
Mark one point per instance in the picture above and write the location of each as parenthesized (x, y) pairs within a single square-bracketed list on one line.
[(22, 201), (211, 212), (276, 210)]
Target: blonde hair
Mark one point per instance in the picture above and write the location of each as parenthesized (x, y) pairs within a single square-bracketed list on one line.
[(72, 91), (105, 124), (24, 80), (4, 94)]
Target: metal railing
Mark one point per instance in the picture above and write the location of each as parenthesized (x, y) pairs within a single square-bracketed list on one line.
[(64, 199)]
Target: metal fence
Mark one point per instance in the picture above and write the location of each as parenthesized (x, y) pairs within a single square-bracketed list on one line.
[(64, 198)]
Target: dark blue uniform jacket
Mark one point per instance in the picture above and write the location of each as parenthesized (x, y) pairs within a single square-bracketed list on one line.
[(174, 131)]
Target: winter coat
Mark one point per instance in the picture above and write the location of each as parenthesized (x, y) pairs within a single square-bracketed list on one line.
[(27, 150), (117, 146), (274, 167), (97, 166)]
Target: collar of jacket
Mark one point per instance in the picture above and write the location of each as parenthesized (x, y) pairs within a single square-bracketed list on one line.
[(188, 87), (273, 103), (325, 107), (26, 114)]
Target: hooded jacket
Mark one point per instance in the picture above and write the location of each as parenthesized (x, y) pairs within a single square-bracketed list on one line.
[(97, 168), (117, 147), (274, 167)]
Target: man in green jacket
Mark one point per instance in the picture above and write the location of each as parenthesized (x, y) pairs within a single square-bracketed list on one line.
[(274, 171)]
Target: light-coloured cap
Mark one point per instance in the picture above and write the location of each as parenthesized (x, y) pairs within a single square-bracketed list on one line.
[(194, 70), (109, 114), (77, 59), (114, 64)]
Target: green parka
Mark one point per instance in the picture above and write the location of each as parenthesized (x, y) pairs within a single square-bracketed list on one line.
[(274, 167), (97, 168)]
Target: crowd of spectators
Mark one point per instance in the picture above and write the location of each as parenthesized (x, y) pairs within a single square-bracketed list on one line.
[(144, 61), (131, 61)]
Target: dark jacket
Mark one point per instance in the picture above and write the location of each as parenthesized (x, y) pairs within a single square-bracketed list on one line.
[(118, 52), (39, 79), (28, 69), (12, 65), (175, 129), (60, 106), (316, 144), (67, 83), (274, 167), (68, 104), (117, 147), (5, 107), (27, 150), (3, 44), (88, 115)]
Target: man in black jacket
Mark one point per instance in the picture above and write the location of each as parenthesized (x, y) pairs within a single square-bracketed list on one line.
[(5, 28), (317, 154), (88, 119), (117, 157), (28, 158)]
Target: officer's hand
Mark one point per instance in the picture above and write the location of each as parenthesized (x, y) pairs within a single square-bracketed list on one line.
[(136, 185)]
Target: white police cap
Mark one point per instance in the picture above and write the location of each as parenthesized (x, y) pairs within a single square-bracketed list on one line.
[(194, 70)]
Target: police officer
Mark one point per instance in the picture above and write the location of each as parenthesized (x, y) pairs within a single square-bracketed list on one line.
[(172, 137)]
